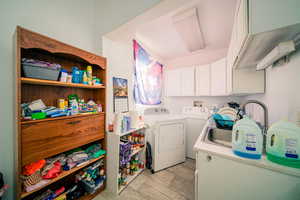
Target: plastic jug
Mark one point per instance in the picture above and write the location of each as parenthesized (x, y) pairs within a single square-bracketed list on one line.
[(247, 139), (283, 144)]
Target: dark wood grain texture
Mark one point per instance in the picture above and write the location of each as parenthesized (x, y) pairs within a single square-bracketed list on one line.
[(45, 139)]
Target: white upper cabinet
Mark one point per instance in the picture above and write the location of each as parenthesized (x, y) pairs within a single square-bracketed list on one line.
[(187, 81), (205, 80), (241, 25), (180, 82), (202, 80), (172, 83), (259, 25), (218, 78)]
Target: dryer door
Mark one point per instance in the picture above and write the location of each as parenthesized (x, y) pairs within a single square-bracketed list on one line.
[(170, 148)]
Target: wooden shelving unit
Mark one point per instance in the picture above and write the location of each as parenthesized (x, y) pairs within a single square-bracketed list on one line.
[(41, 139)]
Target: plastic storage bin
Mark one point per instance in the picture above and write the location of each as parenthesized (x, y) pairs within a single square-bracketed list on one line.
[(38, 72)]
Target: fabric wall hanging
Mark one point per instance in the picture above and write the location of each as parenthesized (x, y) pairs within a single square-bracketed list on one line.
[(147, 77)]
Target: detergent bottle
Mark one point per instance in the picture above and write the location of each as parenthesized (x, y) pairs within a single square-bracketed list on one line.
[(283, 144), (89, 71), (247, 139)]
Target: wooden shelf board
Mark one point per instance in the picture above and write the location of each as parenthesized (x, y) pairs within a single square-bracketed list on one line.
[(91, 196), (60, 118), (58, 83), (130, 179), (62, 175)]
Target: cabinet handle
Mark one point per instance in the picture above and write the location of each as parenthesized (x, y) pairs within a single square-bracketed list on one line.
[(74, 122), (208, 158)]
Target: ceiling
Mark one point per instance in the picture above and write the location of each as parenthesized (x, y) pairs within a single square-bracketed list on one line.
[(159, 34)]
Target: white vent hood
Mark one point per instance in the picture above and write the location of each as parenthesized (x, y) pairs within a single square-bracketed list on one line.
[(281, 50), (187, 25), (260, 45)]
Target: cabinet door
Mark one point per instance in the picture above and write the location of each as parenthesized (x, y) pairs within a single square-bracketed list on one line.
[(172, 83), (169, 144), (187, 81), (218, 78), (203, 80), (248, 178), (241, 24)]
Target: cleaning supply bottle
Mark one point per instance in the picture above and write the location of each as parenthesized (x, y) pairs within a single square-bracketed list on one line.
[(283, 144), (75, 75), (247, 139), (85, 78), (89, 70), (74, 106), (63, 75)]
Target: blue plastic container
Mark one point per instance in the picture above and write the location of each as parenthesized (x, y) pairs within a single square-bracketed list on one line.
[(76, 75)]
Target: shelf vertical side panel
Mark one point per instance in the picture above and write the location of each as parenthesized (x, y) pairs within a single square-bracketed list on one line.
[(17, 111), (113, 149)]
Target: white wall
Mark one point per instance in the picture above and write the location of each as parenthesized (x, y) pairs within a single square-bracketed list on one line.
[(110, 14), (175, 104), (120, 64), (282, 95)]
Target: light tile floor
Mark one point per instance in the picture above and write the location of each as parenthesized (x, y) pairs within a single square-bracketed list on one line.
[(175, 183)]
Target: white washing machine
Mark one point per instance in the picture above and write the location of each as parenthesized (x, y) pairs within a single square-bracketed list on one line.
[(166, 134)]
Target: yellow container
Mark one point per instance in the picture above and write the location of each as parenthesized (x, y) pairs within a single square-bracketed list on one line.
[(89, 71), (61, 103)]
